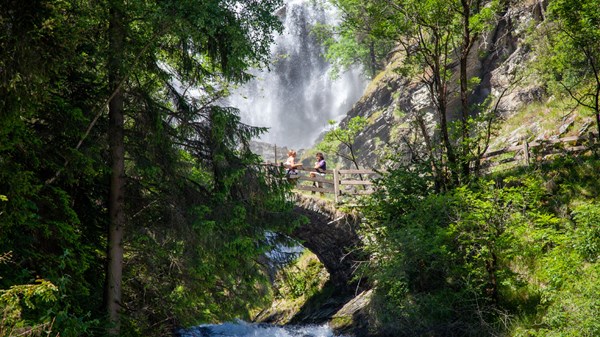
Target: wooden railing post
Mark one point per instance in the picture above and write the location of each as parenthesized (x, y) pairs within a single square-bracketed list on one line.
[(590, 142), (275, 154), (336, 185), (526, 151)]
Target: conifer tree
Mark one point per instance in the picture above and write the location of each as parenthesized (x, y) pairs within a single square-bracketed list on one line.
[(92, 90)]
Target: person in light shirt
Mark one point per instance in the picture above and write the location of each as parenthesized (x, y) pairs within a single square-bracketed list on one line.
[(290, 164)]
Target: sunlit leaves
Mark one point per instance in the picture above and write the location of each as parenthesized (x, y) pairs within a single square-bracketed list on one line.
[(340, 140), (570, 56), (432, 254), (17, 297), (362, 37)]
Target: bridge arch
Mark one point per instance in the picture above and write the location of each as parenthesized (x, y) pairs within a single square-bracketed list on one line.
[(331, 235)]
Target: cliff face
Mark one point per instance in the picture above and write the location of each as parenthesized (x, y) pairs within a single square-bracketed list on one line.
[(392, 102)]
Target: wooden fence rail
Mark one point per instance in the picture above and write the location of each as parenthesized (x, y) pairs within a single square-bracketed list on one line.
[(337, 182), (341, 182), (526, 150)]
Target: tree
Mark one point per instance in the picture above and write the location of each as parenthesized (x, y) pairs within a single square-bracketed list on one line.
[(185, 36), (340, 141), (437, 38), (428, 34), (475, 19), (359, 39), (60, 67), (572, 55), (116, 201), (47, 88), (200, 262)]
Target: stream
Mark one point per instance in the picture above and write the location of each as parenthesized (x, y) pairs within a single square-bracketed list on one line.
[(243, 329)]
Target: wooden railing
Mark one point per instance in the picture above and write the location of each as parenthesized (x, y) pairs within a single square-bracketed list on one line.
[(338, 182), (341, 182), (527, 152)]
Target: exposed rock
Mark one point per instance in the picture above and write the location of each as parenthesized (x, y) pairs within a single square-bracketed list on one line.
[(352, 319), (288, 307), (268, 151), (392, 102)]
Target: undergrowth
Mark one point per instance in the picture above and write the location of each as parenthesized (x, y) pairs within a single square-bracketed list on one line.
[(515, 253)]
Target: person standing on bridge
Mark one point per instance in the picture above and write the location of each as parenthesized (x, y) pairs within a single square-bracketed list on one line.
[(320, 168), (290, 164)]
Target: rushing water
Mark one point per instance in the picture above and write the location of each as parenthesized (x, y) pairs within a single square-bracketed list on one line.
[(297, 98), (243, 329)]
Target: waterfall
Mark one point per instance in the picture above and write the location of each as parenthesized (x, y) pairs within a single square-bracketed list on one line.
[(297, 98)]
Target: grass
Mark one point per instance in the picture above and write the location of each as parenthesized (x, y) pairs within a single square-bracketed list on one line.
[(542, 121), (376, 82)]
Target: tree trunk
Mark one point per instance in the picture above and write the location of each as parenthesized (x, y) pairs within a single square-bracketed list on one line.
[(464, 120), (439, 87), (597, 104), (114, 268), (492, 288), (435, 168), (467, 43), (354, 160), (373, 59)]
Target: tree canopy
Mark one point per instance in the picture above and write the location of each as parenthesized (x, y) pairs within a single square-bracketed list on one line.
[(438, 44), (361, 38), (571, 54), (97, 101)]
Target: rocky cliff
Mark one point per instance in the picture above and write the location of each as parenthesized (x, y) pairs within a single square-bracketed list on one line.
[(392, 102)]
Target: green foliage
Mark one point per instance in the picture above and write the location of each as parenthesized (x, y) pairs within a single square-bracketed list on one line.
[(33, 309), (361, 37), (570, 54), (13, 299), (587, 232), (197, 207), (302, 278), (574, 309), (341, 141), (205, 264), (496, 257)]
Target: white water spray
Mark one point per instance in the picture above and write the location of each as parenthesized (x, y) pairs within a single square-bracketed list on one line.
[(243, 329), (297, 98)]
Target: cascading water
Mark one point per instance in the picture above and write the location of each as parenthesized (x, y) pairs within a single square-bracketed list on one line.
[(297, 98), (243, 329)]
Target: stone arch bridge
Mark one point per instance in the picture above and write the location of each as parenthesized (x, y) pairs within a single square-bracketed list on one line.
[(331, 235)]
